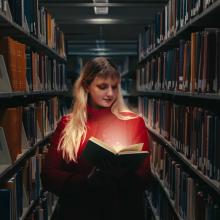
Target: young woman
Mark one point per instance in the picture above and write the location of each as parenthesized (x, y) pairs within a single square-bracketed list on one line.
[(86, 193)]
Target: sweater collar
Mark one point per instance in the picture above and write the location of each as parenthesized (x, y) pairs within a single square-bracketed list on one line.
[(97, 111)]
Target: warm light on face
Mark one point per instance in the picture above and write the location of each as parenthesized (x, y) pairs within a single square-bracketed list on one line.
[(103, 92)]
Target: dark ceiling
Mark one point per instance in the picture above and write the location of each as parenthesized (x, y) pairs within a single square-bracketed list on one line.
[(117, 32)]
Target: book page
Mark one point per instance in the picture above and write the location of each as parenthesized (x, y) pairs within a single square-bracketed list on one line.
[(102, 144), (117, 149), (133, 147), (133, 152)]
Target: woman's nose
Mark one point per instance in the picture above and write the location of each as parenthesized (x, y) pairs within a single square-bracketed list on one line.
[(110, 92)]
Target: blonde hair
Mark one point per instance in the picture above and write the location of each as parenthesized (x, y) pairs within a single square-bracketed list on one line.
[(75, 130)]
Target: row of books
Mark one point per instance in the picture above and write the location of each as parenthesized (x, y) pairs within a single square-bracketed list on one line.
[(43, 73), (192, 66), (191, 200), (158, 204), (27, 70), (23, 189), (37, 21), (44, 210), (22, 127), (174, 16), (192, 131)]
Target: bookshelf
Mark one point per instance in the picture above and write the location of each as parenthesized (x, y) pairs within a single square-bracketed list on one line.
[(33, 69), (178, 90)]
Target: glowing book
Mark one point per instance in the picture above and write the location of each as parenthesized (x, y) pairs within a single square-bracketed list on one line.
[(99, 153)]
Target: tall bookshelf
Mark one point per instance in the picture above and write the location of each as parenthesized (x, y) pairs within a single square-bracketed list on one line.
[(32, 84), (178, 82)]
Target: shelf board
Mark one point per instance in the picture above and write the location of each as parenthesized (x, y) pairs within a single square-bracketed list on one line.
[(154, 211), (18, 98), (180, 94), (10, 28), (53, 209), (213, 184), (29, 209), (7, 173), (130, 94)]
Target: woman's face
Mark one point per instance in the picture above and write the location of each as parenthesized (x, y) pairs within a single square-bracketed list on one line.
[(103, 92)]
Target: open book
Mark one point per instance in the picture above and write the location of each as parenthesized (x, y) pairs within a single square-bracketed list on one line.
[(98, 152)]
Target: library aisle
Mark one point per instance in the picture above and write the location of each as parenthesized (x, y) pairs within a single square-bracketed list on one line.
[(167, 54)]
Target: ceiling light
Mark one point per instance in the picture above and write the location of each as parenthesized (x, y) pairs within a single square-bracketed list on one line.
[(100, 1), (101, 21), (100, 49), (100, 10)]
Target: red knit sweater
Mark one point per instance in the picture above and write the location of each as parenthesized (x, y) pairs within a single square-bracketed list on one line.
[(69, 180)]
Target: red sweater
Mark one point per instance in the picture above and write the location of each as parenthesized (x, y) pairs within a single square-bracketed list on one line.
[(69, 180)]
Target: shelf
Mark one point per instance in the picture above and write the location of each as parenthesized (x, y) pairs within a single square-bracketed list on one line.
[(154, 211), (206, 18), (10, 28), (130, 94), (19, 98), (179, 96), (166, 192), (28, 210), (213, 184), (53, 209), (6, 174)]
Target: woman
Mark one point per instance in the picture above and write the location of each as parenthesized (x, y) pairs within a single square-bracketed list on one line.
[(84, 192)]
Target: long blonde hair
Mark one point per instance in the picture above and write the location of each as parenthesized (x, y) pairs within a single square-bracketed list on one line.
[(75, 129)]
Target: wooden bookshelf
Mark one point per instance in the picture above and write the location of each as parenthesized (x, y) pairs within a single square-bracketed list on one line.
[(10, 28), (39, 109), (152, 83)]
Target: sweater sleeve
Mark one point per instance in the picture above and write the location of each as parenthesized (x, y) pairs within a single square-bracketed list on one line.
[(141, 136), (54, 177)]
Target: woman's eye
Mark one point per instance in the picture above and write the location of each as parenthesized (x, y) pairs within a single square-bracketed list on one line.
[(102, 87)]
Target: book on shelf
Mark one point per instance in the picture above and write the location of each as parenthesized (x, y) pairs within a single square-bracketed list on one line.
[(5, 157), (10, 120), (5, 204), (5, 85), (97, 152), (6, 9), (15, 61)]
